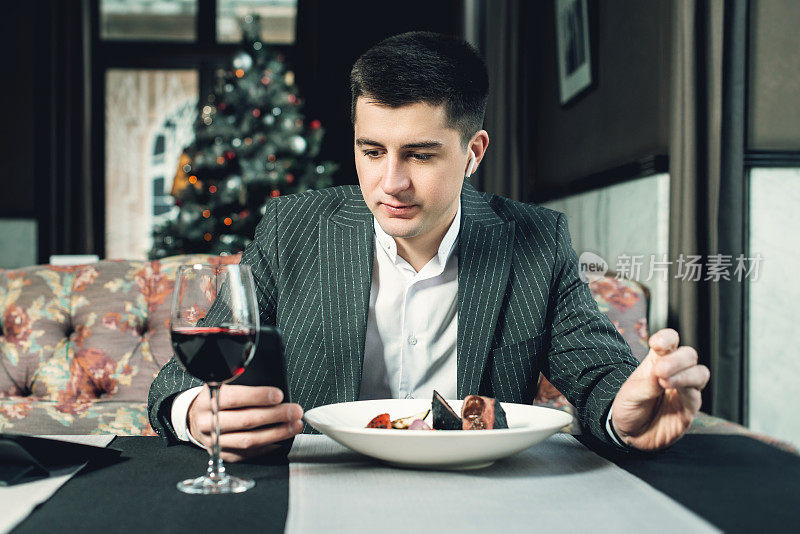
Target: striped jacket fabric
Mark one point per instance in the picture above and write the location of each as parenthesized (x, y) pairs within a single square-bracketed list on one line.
[(521, 306)]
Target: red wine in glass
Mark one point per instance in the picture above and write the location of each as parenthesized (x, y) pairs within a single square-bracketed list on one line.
[(213, 354), (214, 324)]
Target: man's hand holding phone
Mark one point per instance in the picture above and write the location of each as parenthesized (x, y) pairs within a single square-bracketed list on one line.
[(252, 419)]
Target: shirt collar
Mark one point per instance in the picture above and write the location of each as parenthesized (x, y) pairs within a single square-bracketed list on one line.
[(445, 247)]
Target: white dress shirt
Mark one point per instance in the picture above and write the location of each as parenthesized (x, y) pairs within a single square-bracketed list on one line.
[(412, 326)]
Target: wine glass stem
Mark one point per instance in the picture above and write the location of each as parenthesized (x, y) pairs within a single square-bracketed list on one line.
[(216, 470)]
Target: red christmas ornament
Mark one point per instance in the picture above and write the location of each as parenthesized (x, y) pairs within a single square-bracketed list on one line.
[(256, 113), (292, 99), (243, 214), (230, 154), (222, 106), (265, 80), (212, 189), (315, 124), (289, 178), (275, 193)]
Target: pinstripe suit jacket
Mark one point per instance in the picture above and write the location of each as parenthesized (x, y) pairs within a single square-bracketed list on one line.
[(521, 305)]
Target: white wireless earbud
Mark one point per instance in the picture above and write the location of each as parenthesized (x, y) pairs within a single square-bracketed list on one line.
[(471, 167)]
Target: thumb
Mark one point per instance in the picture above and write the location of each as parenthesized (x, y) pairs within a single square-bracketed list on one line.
[(664, 341), (661, 343), (643, 382), (646, 383)]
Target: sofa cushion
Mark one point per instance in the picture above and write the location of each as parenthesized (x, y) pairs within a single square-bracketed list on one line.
[(78, 333), (74, 335), (625, 302), (25, 415)]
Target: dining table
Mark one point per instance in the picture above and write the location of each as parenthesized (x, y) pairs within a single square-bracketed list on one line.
[(731, 483)]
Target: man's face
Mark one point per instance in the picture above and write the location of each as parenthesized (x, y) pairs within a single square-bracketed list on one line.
[(410, 167)]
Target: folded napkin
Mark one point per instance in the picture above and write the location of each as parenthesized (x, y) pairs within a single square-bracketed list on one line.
[(28, 458), (17, 501)]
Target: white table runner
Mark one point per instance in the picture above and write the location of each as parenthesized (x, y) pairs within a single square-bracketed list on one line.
[(17, 502), (556, 486)]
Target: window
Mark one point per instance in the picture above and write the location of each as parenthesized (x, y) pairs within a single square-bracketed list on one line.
[(773, 366), (149, 118), (277, 19), (159, 20)]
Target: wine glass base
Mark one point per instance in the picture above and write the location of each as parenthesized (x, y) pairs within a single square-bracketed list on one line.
[(207, 486)]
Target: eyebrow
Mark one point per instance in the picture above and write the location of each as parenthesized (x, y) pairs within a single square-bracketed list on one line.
[(361, 141)]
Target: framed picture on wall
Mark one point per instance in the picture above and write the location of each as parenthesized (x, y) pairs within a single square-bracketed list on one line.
[(574, 50)]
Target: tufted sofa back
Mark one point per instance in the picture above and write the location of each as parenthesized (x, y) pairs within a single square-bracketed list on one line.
[(74, 335)]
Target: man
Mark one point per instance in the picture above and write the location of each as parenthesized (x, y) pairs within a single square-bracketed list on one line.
[(415, 281)]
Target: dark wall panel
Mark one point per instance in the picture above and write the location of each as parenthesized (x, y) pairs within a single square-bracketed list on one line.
[(626, 116), (331, 36), (18, 31)]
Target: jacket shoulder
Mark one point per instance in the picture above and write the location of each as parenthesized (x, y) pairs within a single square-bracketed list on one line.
[(523, 212), (310, 205)]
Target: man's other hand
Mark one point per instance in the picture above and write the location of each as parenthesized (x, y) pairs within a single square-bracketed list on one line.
[(252, 420), (658, 402)]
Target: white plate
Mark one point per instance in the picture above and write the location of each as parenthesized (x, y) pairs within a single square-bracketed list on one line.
[(440, 449)]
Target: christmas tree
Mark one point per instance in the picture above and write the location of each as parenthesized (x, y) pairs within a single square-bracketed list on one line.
[(251, 143)]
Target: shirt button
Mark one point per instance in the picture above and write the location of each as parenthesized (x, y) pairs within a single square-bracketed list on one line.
[(412, 340)]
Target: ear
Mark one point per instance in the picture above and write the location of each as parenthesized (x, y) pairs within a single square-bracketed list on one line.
[(476, 150)]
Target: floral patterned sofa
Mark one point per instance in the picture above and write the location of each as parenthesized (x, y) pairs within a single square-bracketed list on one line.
[(80, 345)]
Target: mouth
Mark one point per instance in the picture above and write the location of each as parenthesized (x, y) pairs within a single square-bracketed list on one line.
[(398, 209)]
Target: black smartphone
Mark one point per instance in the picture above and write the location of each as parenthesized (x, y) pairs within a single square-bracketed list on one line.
[(267, 367)]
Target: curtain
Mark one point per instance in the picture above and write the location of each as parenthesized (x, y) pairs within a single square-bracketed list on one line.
[(684, 233), (730, 327), (504, 169), (697, 156), (66, 198), (713, 14)]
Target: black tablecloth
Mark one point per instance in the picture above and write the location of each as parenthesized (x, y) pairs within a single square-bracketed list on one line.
[(138, 494), (737, 483), (734, 482)]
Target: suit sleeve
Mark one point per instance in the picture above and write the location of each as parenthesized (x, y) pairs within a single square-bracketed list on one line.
[(588, 360), (172, 379)]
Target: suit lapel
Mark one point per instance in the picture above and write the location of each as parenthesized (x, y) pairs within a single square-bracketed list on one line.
[(485, 251), (345, 251)]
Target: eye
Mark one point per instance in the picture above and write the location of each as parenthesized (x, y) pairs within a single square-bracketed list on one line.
[(371, 153), (422, 157)]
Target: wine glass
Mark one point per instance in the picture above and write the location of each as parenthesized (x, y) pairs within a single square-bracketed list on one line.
[(214, 327)]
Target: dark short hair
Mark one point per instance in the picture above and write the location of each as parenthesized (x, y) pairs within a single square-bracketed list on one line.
[(425, 67)]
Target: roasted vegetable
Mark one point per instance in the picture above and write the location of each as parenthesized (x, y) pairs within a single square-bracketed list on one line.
[(405, 422), (419, 424), (380, 421), (482, 413), (444, 417)]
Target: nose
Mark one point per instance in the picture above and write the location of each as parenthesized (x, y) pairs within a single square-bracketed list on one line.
[(395, 177)]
